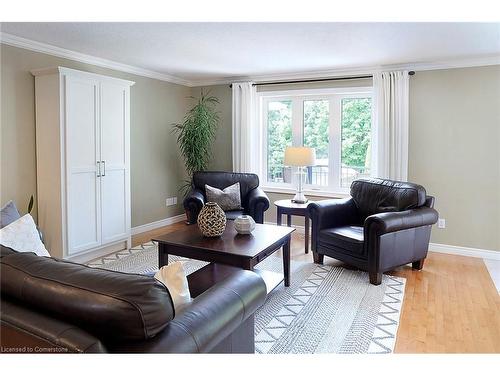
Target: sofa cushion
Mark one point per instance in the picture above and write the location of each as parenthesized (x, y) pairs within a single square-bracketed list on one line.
[(375, 195), (111, 305), (8, 214), (23, 236), (348, 239)]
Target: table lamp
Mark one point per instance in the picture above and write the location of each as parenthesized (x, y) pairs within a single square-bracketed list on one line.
[(300, 157)]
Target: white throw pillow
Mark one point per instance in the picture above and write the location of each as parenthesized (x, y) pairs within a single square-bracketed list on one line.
[(21, 235), (174, 278)]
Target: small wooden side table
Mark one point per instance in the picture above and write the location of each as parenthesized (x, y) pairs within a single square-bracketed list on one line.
[(289, 208)]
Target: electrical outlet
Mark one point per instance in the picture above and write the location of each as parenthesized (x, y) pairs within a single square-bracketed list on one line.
[(171, 201), (441, 223)]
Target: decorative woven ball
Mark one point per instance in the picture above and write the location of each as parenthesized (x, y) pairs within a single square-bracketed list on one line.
[(212, 220)]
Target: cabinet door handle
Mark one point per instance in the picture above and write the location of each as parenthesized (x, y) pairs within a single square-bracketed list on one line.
[(98, 169), (104, 168)]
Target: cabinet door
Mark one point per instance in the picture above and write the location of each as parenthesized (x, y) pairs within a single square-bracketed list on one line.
[(82, 151), (115, 180)]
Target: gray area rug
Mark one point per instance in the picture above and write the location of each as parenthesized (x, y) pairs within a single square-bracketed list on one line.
[(325, 310)]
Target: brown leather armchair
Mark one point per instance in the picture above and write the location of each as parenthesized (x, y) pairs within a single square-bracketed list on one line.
[(253, 199), (383, 225)]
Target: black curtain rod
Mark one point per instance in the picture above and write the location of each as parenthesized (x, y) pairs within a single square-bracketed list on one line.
[(316, 80)]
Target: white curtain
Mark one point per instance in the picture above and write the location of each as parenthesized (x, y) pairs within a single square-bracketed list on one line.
[(246, 145), (390, 125)]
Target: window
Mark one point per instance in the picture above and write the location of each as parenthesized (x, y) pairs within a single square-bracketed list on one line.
[(335, 122), (279, 135)]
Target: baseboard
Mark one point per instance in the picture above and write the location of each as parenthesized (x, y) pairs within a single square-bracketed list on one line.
[(439, 248), (97, 253), (158, 224), (464, 251)]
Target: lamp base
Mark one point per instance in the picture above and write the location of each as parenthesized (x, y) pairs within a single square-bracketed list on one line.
[(299, 198)]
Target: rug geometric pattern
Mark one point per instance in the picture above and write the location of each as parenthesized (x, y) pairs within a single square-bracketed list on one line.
[(384, 335), (326, 309), (271, 333)]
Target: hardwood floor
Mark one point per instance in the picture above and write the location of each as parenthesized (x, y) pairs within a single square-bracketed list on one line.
[(451, 306)]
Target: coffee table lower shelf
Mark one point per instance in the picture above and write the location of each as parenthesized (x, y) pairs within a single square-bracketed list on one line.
[(209, 275)]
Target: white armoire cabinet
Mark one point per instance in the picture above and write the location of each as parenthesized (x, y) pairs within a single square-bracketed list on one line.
[(83, 162)]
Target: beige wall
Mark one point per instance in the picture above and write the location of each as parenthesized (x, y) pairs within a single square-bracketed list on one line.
[(156, 170), (453, 151)]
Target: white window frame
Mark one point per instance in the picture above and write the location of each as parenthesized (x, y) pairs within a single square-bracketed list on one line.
[(334, 96)]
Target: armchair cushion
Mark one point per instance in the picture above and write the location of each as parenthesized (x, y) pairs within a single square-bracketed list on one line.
[(375, 195), (348, 238)]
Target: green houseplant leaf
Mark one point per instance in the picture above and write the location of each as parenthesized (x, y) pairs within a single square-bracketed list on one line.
[(196, 133), (30, 205)]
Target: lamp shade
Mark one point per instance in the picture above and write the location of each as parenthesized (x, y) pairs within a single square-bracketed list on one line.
[(300, 156)]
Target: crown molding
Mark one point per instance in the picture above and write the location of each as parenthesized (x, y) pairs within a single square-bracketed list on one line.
[(16, 41), (32, 45), (486, 60)]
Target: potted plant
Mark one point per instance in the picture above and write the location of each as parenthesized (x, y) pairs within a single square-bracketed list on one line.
[(196, 134)]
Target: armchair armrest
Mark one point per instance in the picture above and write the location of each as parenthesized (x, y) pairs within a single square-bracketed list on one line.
[(258, 203), (211, 317), (388, 222), (332, 213), (193, 203)]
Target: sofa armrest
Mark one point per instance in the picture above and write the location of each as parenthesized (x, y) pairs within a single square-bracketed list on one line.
[(210, 318), (24, 327), (388, 222), (193, 203), (258, 203), (332, 213)]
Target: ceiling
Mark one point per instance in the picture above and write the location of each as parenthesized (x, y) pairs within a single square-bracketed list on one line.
[(202, 52)]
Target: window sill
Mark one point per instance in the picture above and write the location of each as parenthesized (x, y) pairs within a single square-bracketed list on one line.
[(309, 193)]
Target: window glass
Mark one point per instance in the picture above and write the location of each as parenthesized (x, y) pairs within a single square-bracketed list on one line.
[(356, 134), (279, 136), (316, 135)]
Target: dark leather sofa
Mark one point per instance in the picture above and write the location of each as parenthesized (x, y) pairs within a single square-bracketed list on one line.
[(383, 225), (253, 199), (52, 306)]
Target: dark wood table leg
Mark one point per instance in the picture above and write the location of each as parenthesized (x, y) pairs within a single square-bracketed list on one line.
[(278, 216), (286, 261), (306, 225), (289, 220), (162, 255)]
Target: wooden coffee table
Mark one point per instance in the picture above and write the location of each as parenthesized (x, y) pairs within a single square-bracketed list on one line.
[(232, 249)]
